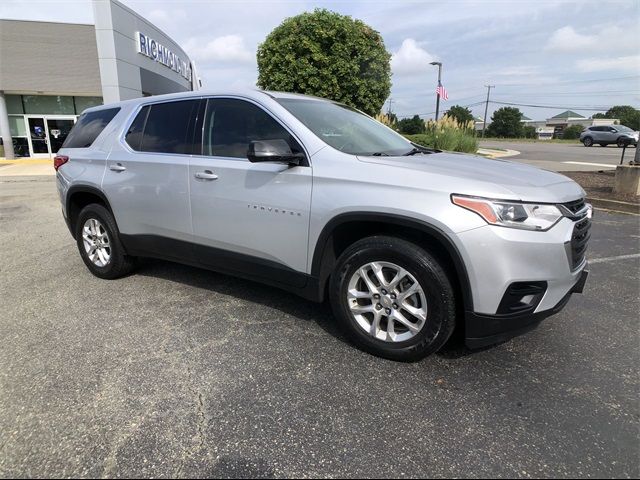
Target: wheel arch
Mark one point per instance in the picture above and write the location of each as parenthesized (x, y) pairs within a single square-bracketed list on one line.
[(345, 229), (78, 197)]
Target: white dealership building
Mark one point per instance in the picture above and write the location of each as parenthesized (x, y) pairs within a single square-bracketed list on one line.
[(51, 72)]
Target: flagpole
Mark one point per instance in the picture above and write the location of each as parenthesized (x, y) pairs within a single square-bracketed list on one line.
[(439, 64)]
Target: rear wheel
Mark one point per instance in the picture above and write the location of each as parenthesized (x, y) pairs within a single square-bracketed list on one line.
[(99, 243), (393, 299), (587, 141)]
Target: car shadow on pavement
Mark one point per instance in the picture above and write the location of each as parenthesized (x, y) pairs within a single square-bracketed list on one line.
[(242, 289), (272, 297)]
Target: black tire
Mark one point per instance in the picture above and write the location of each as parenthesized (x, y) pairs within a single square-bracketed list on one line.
[(119, 264), (428, 272), (587, 141), (621, 142)]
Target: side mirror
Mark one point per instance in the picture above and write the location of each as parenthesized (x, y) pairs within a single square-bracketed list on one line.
[(277, 150)]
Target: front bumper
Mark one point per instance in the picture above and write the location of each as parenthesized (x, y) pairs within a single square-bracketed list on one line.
[(483, 330), (519, 277)]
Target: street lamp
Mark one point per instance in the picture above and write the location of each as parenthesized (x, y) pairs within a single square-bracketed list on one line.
[(439, 64)]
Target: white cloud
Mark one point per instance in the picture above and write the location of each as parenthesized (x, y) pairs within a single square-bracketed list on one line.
[(228, 48), (604, 38), (629, 63), (566, 39), (410, 59)]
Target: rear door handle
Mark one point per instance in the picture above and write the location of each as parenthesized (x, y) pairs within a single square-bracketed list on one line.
[(206, 175), (117, 168)]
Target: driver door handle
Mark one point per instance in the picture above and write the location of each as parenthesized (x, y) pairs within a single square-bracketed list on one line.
[(206, 175), (117, 167)]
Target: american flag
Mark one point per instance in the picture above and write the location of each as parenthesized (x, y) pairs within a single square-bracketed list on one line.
[(442, 92)]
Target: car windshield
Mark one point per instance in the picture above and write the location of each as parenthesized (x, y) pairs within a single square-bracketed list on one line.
[(622, 128), (345, 128)]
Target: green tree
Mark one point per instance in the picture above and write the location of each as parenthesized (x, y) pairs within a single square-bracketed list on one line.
[(411, 126), (461, 114), (529, 131), (506, 122), (329, 55), (598, 115), (629, 116), (572, 132)]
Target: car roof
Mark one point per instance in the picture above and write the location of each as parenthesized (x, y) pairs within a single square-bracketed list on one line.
[(254, 94)]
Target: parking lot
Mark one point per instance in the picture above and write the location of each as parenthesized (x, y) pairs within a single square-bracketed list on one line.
[(563, 157), (177, 371)]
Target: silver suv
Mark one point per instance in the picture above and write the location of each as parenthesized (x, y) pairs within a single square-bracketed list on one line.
[(609, 134), (312, 196)]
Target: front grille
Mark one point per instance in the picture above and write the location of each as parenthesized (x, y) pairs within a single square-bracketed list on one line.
[(575, 206), (581, 232)]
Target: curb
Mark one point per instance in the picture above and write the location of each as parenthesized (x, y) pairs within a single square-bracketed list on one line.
[(493, 154), (615, 205)]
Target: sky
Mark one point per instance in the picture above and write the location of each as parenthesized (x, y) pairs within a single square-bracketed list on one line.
[(581, 55)]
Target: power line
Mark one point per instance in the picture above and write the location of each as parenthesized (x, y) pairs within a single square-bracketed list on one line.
[(572, 82), (432, 113), (577, 94), (582, 107)]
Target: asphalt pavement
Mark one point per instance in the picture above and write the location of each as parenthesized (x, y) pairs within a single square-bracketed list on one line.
[(176, 371), (564, 157)]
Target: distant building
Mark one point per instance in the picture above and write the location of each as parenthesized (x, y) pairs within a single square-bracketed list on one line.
[(554, 126), (570, 118), (51, 72)]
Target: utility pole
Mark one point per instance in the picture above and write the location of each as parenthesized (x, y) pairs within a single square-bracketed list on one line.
[(389, 109), (486, 107), (439, 64)]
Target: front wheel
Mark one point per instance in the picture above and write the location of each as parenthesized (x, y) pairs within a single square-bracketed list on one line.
[(393, 299), (622, 142), (99, 243)]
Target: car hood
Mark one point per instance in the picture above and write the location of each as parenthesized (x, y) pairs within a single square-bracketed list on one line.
[(476, 175)]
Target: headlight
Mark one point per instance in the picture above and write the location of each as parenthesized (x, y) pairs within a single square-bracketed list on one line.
[(527, 216)]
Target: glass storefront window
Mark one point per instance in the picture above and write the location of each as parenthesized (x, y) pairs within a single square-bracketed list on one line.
[(17, 126), (48, 104), (82, 103), (14, 104)]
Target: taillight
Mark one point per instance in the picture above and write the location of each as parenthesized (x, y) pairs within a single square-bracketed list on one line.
[(59, 160)]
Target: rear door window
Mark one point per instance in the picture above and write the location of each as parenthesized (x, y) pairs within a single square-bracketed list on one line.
[(88, 127), (164, 128)]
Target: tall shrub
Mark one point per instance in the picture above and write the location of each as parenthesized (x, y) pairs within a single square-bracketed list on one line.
[(448, 134), (328, 55)]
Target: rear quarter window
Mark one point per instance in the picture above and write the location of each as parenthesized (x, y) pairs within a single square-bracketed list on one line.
[(88, 127)]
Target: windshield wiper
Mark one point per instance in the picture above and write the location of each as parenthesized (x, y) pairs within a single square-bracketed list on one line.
[(415, 150), (419, 149), (379, 154)]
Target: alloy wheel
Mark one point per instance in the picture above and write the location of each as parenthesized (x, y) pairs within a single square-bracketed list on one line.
[(96, 242), (387, 302)]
